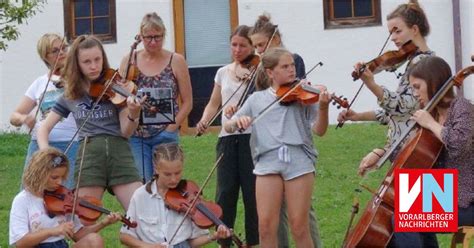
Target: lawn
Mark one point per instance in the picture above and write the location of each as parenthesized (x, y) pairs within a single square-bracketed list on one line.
[(340, 152)]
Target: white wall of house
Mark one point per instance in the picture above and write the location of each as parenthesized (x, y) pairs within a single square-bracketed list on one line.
[(467, 24), (302, 28)]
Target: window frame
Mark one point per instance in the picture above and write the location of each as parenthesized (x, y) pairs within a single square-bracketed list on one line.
[(69, 30), (350, 22)]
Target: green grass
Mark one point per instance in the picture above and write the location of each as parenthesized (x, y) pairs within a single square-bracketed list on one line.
[(340, 153)]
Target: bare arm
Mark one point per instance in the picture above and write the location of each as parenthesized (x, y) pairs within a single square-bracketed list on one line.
[(211, 108), (181, 72), (34, 238), (22, 114), (322, 121), (108, 220), (129, 117), (46, 126)]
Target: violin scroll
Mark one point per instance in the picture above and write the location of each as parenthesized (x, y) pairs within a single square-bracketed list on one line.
[(463, 74)]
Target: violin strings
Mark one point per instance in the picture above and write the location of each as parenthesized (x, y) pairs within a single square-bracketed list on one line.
[(193, 203)]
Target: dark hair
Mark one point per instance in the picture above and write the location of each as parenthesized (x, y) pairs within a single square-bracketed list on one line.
[(412, 14), (435, 72), (242, 31)]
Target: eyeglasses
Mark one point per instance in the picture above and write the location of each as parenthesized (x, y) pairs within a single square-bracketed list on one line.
[(56, 50), (157, 38), (57, 161)]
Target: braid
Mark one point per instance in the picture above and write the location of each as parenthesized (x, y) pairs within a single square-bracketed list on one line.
[(169, 152)]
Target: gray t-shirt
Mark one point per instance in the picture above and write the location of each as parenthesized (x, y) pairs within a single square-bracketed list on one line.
[(282, 125), (103, 120)]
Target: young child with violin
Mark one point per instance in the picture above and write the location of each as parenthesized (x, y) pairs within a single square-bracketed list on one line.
[(282, 149), (236, 169), (44, 92), (407, 22), (107, 162), (158, 68), (264, 34), (30, 223), (452, 122), (158, 224)]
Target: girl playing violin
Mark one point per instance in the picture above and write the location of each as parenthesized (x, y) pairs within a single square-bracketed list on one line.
[(108, 161), (52, 52), (282, 149), (407, 22), (261, 34), (156, 222), (452, 122), (158, 68), (236, 169), (31, 225)]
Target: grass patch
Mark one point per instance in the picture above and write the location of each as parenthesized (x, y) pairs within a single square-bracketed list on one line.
[(340, 153)]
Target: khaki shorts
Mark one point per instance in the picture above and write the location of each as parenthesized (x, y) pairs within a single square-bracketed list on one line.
[(108, 161)]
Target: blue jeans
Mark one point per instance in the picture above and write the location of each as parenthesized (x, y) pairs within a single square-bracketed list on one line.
[(142, 149), (58, 244), (60, 145)]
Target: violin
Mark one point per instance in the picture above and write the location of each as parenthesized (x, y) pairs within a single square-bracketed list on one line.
[(306, 94), (204, 214), (388, 61), (117, 94), (88, 208), (132, 72), (251, 61)]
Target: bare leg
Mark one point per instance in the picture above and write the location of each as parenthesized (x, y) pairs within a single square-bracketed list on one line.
[(269, 192), (298, 193), (90, 240), (124, 192)]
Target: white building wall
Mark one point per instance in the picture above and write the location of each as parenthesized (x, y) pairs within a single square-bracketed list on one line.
[(467, 24), (302, 29)]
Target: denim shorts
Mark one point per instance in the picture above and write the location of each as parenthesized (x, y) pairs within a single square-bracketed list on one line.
[(108, 161), (57, 244), (299, 164)]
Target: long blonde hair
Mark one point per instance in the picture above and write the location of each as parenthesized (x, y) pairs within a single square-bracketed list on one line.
[(36, 175), (72, 73), (269, 60)]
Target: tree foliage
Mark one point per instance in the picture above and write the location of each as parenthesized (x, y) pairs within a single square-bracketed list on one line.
[(14, 13)]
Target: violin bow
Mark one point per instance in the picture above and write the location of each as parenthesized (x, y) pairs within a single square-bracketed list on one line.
[(247, 82), (49, 80), (280, 98), (76, 192), (340, 124), (193, 203), (89, 113), (251, 83)]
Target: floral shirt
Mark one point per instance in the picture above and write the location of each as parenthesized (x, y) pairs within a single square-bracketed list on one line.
[(165, 79), (398, 106), (458, 152)]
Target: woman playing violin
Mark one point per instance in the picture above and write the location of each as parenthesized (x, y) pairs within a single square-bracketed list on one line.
[(108, 161), (452, 122), (52, 52), (158, 68), (156, 222), (261, 34), (31, 225), (236, 169), (282, 149), (407, 22)]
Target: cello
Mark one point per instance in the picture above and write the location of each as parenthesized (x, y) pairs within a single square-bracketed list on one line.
[(374, 228)]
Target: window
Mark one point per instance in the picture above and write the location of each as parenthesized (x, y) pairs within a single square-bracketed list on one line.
[(90, 17), (203, 39), (351, 13)]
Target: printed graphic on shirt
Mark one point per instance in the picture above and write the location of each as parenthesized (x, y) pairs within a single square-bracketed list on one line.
[(100, 112), (50, 98)]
